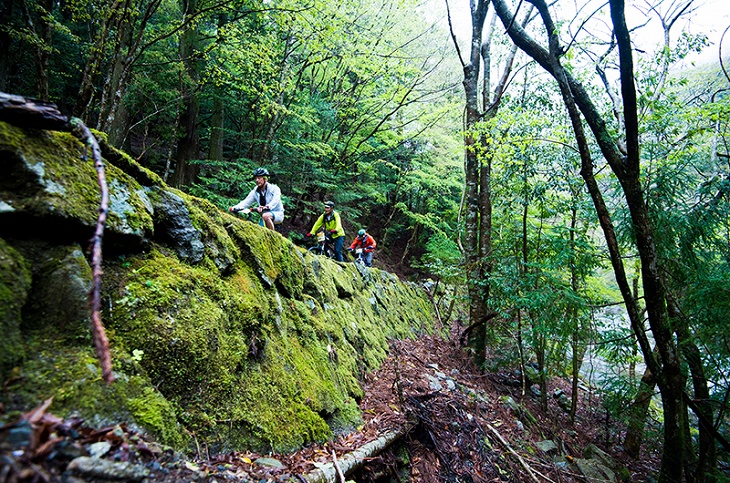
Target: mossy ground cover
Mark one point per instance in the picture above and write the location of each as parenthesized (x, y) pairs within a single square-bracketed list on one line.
[(259, 345)]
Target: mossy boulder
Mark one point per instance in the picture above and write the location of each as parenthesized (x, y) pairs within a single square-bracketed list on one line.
[(15, 283), (218, 327)]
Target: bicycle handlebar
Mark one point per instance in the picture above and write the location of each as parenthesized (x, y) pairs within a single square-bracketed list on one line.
[(248, 210)]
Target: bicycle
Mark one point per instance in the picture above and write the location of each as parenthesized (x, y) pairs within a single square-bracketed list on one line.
[(357, 256), (325, 245)]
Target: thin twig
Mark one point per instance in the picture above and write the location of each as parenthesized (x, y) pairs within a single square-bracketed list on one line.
[(101, 343), (337, 467), (524, 464), (31, 113)]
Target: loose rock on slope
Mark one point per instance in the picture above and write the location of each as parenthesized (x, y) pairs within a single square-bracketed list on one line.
[(461, 432)]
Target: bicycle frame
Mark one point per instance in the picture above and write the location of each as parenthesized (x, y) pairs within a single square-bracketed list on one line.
[(325, 245)]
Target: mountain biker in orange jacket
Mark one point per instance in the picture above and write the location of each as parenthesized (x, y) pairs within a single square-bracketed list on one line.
[(367, 243)]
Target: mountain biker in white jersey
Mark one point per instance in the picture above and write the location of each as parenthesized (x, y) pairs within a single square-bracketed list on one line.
[(268, 197)]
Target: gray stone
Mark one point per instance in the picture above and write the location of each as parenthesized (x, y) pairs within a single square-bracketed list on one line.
[(99, 449), (121, 208), (594, 472), (271, 462), (548, 446), (174, 226), (100, 469), (594, 452), (19, 435), (62, 279), (434, 383)]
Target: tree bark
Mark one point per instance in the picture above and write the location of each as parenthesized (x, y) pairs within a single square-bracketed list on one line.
[(43, 43), (638, 411), (188, 148), (626, 169), (349, 462), (707, 461), (97, 52), (472, 180), (477, 202)]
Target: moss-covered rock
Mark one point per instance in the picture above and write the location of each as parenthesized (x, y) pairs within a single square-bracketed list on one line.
[(15, 282), (59, 299), (70, 375), (217, 325), (48, 184)]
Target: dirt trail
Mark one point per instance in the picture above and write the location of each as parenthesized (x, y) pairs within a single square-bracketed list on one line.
[(460, 429)]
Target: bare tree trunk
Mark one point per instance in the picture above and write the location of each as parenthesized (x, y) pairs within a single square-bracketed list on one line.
[(472, 181), (626, 170), (97, 52), (43, 43), (477, 203), (113, 115), (188, 148)]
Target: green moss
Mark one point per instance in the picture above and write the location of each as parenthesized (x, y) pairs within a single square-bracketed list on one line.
[(123, 161), (259, 345), (154, 412), (72, 378), (190, 325), (277, 262), (15, 280), (59, 182)]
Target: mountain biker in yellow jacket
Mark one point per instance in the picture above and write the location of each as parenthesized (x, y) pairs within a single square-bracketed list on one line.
[(330, 222)]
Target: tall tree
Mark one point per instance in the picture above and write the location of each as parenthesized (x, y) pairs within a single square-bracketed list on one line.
[(625, 165), (190, 54), (477, 203)]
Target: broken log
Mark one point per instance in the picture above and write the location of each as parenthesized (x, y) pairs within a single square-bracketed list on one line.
[(27, 112), (353, 460)]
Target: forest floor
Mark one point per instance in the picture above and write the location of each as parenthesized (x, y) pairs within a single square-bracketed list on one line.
[(460, 430)]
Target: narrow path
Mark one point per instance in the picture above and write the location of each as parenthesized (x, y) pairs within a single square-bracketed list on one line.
[(427, 400)]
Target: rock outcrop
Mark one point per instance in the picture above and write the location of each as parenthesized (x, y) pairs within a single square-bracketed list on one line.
[(220, 330)]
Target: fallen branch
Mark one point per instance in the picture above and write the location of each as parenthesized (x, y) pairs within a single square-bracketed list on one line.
[(31, 113), (355, 459), (101, 343), (524, 464)]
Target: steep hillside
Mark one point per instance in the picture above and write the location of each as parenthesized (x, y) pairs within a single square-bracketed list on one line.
[(223, 334)]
